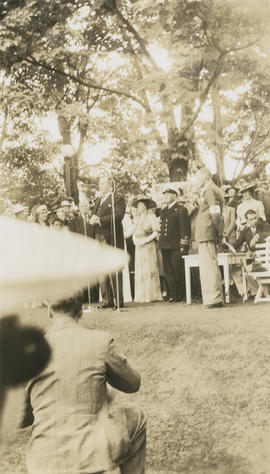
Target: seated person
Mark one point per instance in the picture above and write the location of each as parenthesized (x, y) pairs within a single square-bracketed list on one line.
[(74, 427), (255, 231), (248, 202)]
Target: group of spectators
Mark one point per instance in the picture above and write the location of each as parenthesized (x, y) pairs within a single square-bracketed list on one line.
[(156, 236)]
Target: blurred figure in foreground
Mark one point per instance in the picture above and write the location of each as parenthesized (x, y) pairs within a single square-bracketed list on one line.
[(74, 429), (24, 352)]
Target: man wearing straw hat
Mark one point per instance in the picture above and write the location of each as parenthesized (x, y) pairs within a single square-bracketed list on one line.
[(208, 234)]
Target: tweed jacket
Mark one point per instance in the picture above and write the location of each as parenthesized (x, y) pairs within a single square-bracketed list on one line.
[(104, 212), (174, 227), (69, 402), (209, 222)]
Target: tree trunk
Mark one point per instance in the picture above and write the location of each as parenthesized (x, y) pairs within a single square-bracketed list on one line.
[(70, 168), (4, 128), (219, 140)]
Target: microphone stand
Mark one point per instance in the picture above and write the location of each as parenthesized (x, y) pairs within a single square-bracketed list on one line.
[(89, 309), (114, 241)]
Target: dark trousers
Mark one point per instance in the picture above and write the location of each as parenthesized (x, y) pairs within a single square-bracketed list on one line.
[(174, 269), (133, 461), (109, 290)]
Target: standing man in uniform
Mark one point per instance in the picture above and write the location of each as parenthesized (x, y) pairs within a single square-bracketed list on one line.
[(103, 230), (208, 234), (174, 243)]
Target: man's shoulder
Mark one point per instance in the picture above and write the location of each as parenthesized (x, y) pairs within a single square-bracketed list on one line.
[(245, 231), (90, 333), (75, 222), (119, 197), (96, 334), (76, 219), (263, 226), (213, 189)]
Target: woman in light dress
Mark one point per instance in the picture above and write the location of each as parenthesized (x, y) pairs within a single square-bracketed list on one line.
[(145, 234)]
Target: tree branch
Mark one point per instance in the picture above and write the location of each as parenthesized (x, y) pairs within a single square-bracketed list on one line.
[(204, 95), (136, 35), (84, 83), (240, 48)]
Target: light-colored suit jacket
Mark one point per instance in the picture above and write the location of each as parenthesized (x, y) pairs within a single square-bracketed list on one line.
[(72, 432)]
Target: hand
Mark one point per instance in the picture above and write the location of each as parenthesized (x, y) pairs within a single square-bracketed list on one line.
[(184, 249), (94, 220), (140, 243), (224, 241), (254, 240)]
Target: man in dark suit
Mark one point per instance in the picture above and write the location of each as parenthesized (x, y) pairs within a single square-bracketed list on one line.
[(174, 243), (108, 229), (81, 225), (255, 231)]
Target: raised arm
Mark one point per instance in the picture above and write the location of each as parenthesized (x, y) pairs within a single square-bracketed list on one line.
[(120, 374)]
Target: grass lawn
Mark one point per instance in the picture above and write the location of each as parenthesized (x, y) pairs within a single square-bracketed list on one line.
[(205, 385)]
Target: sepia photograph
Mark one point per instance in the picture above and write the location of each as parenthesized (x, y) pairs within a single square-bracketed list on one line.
[(135, 237)]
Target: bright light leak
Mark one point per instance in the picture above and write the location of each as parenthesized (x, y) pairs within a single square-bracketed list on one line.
[(93, 155), (178, 115), (161, 57), (50, 124)]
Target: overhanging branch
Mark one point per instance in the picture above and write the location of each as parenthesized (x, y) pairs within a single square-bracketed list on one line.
[(88, 84)]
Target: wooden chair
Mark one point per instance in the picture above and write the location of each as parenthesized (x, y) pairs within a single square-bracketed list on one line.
[(262, 276)]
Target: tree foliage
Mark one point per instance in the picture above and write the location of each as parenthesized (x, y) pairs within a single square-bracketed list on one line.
[(93, 65)]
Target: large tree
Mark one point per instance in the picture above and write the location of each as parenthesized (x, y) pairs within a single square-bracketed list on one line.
[(73, 57)]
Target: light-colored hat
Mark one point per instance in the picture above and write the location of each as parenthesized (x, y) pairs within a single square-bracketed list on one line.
[(66, 203), (246, 187), (19, 208)]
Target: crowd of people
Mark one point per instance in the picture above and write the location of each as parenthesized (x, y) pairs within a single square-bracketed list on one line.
[(76, 427), (156, 235)]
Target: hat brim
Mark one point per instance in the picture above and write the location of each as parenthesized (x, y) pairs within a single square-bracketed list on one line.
[(170, 191), (247, 188), (145, 201)]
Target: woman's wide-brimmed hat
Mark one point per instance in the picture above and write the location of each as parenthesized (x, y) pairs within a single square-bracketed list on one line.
[(246, 187), (148, 202)]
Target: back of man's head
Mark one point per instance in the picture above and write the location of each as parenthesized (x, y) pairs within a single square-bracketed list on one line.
[(70, 306), (202, 176)]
